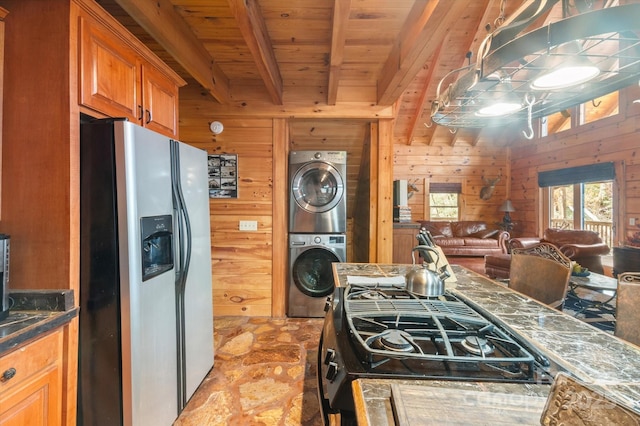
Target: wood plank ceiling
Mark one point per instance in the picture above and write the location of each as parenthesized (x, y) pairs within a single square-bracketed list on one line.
[(323, 52)]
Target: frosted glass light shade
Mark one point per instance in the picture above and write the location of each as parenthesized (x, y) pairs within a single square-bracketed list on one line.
[(563, 77)]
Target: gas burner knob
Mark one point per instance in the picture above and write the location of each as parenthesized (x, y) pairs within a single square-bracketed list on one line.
[(332, 371), (330, 355)]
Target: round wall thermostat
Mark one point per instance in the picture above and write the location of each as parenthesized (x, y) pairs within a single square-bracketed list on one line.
[(216, 127)]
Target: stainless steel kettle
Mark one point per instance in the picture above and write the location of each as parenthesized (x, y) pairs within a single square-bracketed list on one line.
[(424, 281)]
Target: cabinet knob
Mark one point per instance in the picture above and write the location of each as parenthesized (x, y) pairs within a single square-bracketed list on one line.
[(8, 374)]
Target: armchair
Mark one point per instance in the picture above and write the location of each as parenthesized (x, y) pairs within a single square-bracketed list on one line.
[(584, 247)]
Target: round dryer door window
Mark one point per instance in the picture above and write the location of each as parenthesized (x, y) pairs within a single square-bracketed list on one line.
[(317, 187), (312, 272)]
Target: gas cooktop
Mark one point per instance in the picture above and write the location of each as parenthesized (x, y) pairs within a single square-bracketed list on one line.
[(385, 331), (441, 336)]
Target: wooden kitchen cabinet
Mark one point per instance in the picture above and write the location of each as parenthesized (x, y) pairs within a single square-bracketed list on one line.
[(404, 240), (44, 87), (117, 81), (31, 383)]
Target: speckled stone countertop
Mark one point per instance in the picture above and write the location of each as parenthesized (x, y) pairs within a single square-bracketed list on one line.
[(602, 361), (35, 312)]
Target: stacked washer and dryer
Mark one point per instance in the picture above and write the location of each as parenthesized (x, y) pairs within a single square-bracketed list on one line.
[(317, 228)]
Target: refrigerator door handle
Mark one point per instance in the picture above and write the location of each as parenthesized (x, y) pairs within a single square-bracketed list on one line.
[(182, 216), (183, 228)]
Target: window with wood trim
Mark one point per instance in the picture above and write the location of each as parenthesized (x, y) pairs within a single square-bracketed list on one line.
[(597, 109), (444, 201), (581, 198)]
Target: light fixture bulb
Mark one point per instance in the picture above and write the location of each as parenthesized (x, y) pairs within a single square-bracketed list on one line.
[(501, 101), (565, 76), (499, 108), (566, 67)]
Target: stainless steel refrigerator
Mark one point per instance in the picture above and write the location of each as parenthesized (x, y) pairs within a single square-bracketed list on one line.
[(146, 320)]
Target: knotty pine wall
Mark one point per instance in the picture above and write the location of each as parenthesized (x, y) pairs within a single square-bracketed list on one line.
[(241, 261), (462, 163), (612, 139), (250, 270)]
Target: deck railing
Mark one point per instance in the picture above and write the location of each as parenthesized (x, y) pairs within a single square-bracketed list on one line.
[(604, 229)]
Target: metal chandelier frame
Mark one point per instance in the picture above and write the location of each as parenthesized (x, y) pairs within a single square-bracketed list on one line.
[(608, 38)]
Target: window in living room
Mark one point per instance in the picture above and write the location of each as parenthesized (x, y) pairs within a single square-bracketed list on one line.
[(444, 201), (581, 198)]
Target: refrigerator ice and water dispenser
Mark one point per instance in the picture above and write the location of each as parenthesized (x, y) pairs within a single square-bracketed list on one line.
[(157, 245)]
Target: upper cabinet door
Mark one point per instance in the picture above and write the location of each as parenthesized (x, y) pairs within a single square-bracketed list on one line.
[(160, 102), (109, 73)]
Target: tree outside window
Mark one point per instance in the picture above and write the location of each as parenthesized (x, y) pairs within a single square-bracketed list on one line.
[(444, 206), (583, 206)]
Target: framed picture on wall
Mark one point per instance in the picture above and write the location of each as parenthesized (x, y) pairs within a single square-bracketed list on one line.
[(223, 176)]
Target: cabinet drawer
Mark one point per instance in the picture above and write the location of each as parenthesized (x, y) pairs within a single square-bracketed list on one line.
[(31, 359)]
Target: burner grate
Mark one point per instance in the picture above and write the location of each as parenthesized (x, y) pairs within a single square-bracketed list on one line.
[(410, 305), (396, 330)]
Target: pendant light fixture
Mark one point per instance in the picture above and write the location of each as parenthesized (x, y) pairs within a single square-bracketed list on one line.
[(501, 101), (566, 68), (600, 47)]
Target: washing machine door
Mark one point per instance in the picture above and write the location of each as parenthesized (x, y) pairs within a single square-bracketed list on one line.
[(312, 273), (317, 187)]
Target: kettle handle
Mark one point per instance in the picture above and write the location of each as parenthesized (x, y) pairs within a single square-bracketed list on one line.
[(431, 249)]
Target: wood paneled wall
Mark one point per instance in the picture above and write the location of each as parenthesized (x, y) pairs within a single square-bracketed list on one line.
[(250, 269), (361, 229), (461, 163), (612, 139), (241, 261)]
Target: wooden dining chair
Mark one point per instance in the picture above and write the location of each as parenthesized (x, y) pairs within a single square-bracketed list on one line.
[(541, 272), (627, 307)]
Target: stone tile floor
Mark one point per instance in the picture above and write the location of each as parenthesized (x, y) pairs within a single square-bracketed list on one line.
[(264, 374)]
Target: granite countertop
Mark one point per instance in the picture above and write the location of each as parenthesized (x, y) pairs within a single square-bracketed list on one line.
[(35, 312), (599, 359)]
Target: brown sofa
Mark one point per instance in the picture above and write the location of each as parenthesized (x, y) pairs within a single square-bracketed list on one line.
[(584, 247), (467, 238)]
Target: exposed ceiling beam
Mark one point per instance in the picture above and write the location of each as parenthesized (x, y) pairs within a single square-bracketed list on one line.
[(341, 9), (491, 8), (416, 117), (160, 20), (426, 27), (471, 136), (254, 32)]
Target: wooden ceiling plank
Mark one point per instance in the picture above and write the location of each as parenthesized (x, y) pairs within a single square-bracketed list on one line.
[(341, 10), (254, 31), (425, 30), (490, 8), (168, 28), (417, 115)]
